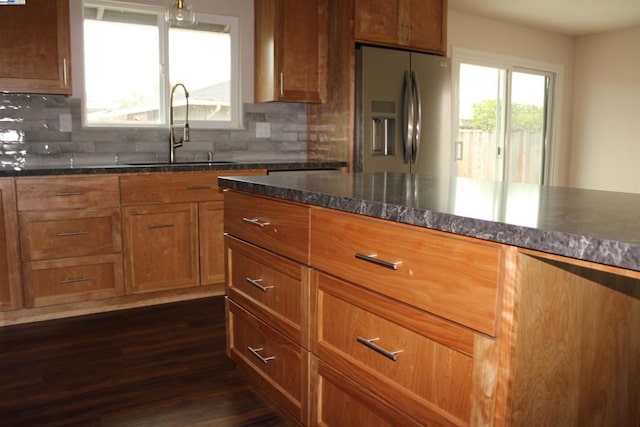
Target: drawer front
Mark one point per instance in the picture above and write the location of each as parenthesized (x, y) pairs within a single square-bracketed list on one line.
[(455, 278), (416, 374), (174, 187), (278, 226), (271, 287), (274, 362), (72, 279), (335, 393), (47, 235), (70, 192)]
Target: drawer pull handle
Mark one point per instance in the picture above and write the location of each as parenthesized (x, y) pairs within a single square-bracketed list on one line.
[(72, 233), (373, 258), (256, 283), (386, 353), (256, 222), (69, 281), (256, 353), (69, 193), (154, 226), (199, 187)]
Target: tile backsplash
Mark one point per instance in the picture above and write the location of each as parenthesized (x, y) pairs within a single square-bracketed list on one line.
[(30, 136)]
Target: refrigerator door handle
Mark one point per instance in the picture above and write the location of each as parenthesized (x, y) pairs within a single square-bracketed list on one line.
[(417, 116), (407, 117)]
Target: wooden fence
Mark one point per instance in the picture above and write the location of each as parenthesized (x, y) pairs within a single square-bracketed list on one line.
[(480, 157)]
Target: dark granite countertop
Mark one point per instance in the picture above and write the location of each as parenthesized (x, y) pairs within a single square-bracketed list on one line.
[(165, 167), (595, 226)]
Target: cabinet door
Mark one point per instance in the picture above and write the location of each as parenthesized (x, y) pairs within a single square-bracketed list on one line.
[(425, 25), (35, 47), (10, 287), (161, 247), (289, 45), (414, 24), (378, 21), (211, 217)]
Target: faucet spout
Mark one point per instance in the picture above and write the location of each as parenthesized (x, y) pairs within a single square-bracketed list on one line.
[(173, 143)]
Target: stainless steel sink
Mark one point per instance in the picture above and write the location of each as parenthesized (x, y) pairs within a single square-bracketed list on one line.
[(188, 162)]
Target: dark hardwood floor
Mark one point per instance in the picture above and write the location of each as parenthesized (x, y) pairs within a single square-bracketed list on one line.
[(153, 366)]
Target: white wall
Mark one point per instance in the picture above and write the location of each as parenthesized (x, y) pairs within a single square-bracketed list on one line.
[(606, 115), (242, 9), (496, 37)]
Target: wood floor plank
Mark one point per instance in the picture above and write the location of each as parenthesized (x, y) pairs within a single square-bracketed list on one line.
[(151, 366)]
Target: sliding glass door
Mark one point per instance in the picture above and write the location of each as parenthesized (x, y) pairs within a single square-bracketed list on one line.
[(503, 121)]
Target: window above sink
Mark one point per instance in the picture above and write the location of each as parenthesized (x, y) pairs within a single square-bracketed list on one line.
[(132, 58)]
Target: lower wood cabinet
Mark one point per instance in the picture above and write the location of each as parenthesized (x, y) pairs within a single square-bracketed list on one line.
[(10, 278), (66, 280), (273, 362), (452, 331), (420, 365), (161, 247), (70, 236), (173, 230)]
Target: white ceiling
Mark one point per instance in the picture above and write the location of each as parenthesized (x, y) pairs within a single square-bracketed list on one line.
[(571, 17)]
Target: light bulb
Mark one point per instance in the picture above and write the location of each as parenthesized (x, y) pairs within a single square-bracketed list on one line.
[(179, 13)]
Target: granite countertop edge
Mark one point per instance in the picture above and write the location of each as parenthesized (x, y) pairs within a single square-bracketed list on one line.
[(582, 247), (177, 167)]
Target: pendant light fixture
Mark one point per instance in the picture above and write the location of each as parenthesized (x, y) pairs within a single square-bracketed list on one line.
[(179, 13)]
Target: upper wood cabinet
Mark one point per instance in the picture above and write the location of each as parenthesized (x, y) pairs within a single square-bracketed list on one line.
[(290, 50), (35, 47), (414, 24)]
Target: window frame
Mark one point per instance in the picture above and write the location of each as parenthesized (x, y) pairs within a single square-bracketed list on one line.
[(516, 64), (235, 100)]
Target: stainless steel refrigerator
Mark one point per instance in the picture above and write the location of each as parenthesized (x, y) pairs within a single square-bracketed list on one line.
[(403, 112)]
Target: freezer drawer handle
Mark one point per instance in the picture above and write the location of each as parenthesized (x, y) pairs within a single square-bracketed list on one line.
[(72, 233), (256, 353), (256, 283), (373, 258), (70, 281), (256, 222), (386, 353)]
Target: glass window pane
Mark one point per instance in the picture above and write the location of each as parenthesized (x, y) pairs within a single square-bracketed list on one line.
[(481, 118), (528, 111), (200, 59), (122, 67)]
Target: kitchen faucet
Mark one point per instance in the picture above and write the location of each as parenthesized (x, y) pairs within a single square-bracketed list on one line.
[(173, 144)]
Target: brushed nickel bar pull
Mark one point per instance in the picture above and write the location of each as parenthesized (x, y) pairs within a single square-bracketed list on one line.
[(263, 359), (69, 281), (65, 73), (69, 193), (256, 222), (386, 353), (199, 187), (72, 233), (281, 83), (154, 226), (256, 283), (374, 260)]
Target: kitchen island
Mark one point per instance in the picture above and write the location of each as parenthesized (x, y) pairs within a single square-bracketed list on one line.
[(445, 301)]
